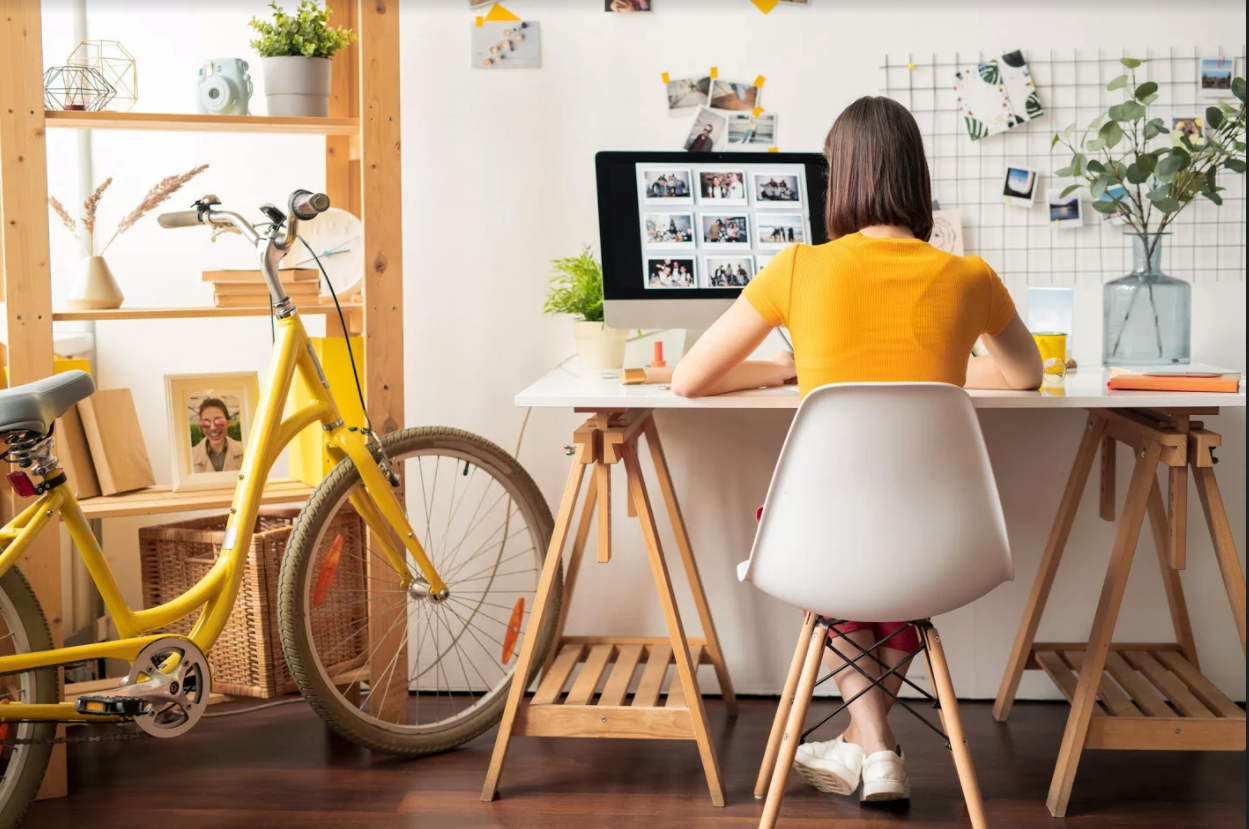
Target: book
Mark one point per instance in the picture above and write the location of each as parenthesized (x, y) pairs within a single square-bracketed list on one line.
[(111, 425), (258, 300), (262, 290), (286, 275), (1194, 377)]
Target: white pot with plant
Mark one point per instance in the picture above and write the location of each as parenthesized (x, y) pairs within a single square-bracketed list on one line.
[(96, 288), (576, 288), (295, 53)]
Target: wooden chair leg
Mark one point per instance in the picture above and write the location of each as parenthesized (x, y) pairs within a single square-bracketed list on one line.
[(574, 568), (782, 709), (1224, 544), (940, 673), (1093, 432), (793, 728)]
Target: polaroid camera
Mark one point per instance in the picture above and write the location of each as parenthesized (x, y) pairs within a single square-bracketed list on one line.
[(224, 87)]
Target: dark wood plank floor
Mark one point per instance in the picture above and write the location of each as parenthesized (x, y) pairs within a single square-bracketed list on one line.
[(281, 768)]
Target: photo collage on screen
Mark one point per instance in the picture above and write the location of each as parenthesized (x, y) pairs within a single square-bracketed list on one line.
[(717, 225)]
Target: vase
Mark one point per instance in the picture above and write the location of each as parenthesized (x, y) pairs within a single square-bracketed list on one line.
[(96, 289), (297, 86), (599, 346), (1146, 315)]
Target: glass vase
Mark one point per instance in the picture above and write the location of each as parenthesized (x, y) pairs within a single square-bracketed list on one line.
[(1146, 315)]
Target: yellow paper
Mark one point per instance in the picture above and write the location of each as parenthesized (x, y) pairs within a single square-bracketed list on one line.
[(481, 21), (765, 6), (773, 150), (715, 72), (757, 111), (498, 14), (666, 77), (759, 80)]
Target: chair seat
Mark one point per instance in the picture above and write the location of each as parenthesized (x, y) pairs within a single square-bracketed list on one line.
[(35, 406)]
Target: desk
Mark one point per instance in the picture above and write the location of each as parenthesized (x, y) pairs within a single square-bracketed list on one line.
[(1133, 696)]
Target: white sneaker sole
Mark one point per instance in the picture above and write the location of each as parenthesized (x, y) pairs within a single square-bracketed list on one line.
[(883, 790), (824, 780)]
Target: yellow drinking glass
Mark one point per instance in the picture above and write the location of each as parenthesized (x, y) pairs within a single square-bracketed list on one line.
[(1053, 348)]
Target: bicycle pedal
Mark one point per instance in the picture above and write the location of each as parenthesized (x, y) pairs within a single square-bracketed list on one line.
[(107, 705)]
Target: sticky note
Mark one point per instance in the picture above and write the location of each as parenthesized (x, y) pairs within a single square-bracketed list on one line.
[(498, 14), (666, 77), (715, 72), (765, 6), (773, 150), (757, 111), (481, 21), (759, 80)]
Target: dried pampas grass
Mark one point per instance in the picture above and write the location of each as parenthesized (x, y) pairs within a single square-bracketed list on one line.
[(91, 205), (66, 219)]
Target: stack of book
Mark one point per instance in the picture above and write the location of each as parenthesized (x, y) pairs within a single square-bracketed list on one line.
[(1195, 377), (247, 289)]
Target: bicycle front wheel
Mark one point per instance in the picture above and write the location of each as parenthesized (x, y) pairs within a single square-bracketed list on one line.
[(485, 528)]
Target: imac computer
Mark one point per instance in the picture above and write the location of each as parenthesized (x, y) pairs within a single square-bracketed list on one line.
[(682, 233)]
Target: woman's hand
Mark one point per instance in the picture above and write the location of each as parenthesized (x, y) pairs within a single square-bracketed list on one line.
[(789, 370)]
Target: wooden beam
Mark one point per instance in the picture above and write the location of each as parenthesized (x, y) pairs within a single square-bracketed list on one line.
[(605, 721)]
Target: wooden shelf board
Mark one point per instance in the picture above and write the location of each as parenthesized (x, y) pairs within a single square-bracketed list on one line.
[(180, 122), (189, 313), (159, 499)]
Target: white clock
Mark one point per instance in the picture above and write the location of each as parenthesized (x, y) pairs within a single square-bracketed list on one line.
[(337, 237)]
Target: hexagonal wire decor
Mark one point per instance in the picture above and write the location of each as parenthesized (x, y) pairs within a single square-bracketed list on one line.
[(81, 88), (116, 64)]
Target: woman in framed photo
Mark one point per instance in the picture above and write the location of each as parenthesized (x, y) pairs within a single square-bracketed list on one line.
[(217, 452)]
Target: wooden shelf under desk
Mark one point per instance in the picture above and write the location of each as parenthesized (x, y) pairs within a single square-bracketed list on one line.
[(186, 122), (159, 499), (191, 313)]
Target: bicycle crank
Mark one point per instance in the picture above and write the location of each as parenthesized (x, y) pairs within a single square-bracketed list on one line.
[(166, 692)]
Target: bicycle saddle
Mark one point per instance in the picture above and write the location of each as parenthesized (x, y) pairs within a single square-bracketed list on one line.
[(34, 406)]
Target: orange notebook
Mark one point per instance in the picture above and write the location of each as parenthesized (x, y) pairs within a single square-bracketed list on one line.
[(1193, 379)]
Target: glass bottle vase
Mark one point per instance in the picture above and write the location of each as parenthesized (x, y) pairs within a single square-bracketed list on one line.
[(1146, 315)]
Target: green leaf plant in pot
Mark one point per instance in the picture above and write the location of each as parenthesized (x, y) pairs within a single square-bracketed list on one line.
[(576, 288), (296, 50), (1142, 172)]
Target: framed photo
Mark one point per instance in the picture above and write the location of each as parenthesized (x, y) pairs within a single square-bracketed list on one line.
[(734, 96), (727, 187), (776, 189), (728, 271), (673, 231), (1215, 78), (667, 188), (774, 231), (1064, 212), (211, 417), (1019, 186), (725, 231), (671, 272)]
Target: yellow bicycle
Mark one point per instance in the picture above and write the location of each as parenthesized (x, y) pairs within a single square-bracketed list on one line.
[(370, 592)]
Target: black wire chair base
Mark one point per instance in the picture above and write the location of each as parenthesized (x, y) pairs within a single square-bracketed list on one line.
[(878, 682)]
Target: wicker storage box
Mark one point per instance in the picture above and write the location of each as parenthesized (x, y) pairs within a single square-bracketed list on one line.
[(247, 659)]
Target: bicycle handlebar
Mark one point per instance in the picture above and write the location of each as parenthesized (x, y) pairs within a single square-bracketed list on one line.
[(180, 218), (305, 205)]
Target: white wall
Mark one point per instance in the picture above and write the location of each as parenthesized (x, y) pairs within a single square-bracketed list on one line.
[(499, 179)]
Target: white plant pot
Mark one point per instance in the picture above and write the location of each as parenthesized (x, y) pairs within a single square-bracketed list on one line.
[(96, 289), (599, 346), (297, 86)]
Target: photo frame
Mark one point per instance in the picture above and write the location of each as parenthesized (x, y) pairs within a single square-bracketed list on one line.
[(205, 457)]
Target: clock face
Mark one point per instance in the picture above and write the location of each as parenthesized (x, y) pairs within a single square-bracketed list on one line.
[(336, 237)]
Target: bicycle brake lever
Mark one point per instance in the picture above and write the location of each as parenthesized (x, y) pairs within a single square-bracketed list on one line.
[(274, 215)]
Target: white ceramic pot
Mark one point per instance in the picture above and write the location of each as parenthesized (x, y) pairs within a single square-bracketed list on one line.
[(599, 346), (297, 86), (96, 289)]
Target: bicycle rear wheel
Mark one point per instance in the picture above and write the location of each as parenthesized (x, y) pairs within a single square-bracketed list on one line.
[(486, 528)]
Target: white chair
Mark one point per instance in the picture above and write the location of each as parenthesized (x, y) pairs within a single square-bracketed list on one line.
[(882, 508)]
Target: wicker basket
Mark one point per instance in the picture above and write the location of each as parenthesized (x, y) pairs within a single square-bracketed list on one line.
[(247, 659)]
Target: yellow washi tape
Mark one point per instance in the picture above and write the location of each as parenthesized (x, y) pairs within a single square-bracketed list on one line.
[(665, 77), (757, 111), (498, 14), (759, 80), (765, 6), (715, 72), (481, 21), (773, 149)]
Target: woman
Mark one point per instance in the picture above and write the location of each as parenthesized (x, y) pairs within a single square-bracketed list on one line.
[(877, 303), (217, 452)]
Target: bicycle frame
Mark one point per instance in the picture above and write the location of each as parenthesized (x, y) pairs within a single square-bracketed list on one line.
[(376, 504)]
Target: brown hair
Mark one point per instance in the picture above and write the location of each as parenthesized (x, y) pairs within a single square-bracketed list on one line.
[(877, 170)]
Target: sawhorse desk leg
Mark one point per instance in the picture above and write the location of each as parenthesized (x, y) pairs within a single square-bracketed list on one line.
[(608, 664)]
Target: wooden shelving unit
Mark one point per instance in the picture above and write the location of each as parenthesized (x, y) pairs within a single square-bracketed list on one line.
[(362, 174)]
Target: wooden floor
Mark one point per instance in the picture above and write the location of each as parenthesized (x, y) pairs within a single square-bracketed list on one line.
[(281, 768)]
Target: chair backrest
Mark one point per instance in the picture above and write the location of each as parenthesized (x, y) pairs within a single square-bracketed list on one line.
[(883, 506)]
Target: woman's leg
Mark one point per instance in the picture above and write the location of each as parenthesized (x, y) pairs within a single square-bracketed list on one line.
[(897, 649), (869, 726)]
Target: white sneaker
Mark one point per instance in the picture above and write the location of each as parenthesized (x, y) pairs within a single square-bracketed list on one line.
[(884, 777), (832, 767)]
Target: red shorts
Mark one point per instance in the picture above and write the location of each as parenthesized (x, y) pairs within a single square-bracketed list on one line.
[(907, 640)]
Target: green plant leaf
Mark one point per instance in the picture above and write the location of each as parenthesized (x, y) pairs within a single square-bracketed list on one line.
[(576, 287), (1146, 163), (1130, 63), (1097, 122), (1212, 176), (1077, 164), (1111, 133), (1094, 166), (1149, 99), (1094, 144), (1136, 175), (1054, 142), (1106, 206), (1118, 83), (1131, 111), (1067, 191), (1155, 127), (1168, 205), (1214, 117), (1236, 165), (1064, 172), (1115, 112), (1145, 89), (1213, 196), (1099, 187), (305, 33), (1162, 191), (1238, 88)]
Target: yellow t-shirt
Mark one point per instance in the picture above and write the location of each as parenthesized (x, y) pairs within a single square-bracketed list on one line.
[(864, 309)]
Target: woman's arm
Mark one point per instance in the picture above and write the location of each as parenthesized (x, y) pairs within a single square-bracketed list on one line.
[(717, 362), (1013, 361)]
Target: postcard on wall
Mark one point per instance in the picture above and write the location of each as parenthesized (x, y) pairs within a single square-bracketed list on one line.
[(947, 230), (997, 95), (507, 44)]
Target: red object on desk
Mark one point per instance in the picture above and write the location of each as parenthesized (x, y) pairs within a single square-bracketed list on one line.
[(1228, 383), (658, 360)]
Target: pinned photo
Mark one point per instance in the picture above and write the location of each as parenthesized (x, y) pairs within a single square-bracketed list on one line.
[(687, 93), (722, 187), (1215, 80), (509, 44), (669, 230), (721, 232), (626, 6), (1019, 186), (667, 187), (1191, 127), (1065, 211), (777, 190), (707, 131), (670, 273), (778, 230), (1114, 193), (734, 96), (727, 271), (749, 130)]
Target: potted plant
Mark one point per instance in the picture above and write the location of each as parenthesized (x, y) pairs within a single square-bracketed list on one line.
[(576, 287), (96, 288), (296, 51), (1143, 172)]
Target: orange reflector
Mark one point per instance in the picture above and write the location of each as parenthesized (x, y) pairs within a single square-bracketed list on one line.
[(513, 630), (4, 726), (328, 568), (95, 706)]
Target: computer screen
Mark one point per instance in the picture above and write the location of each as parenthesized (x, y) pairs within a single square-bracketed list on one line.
[(682, 233)]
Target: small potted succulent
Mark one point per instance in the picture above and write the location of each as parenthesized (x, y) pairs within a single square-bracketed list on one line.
[(576, 288), (296, 51)]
